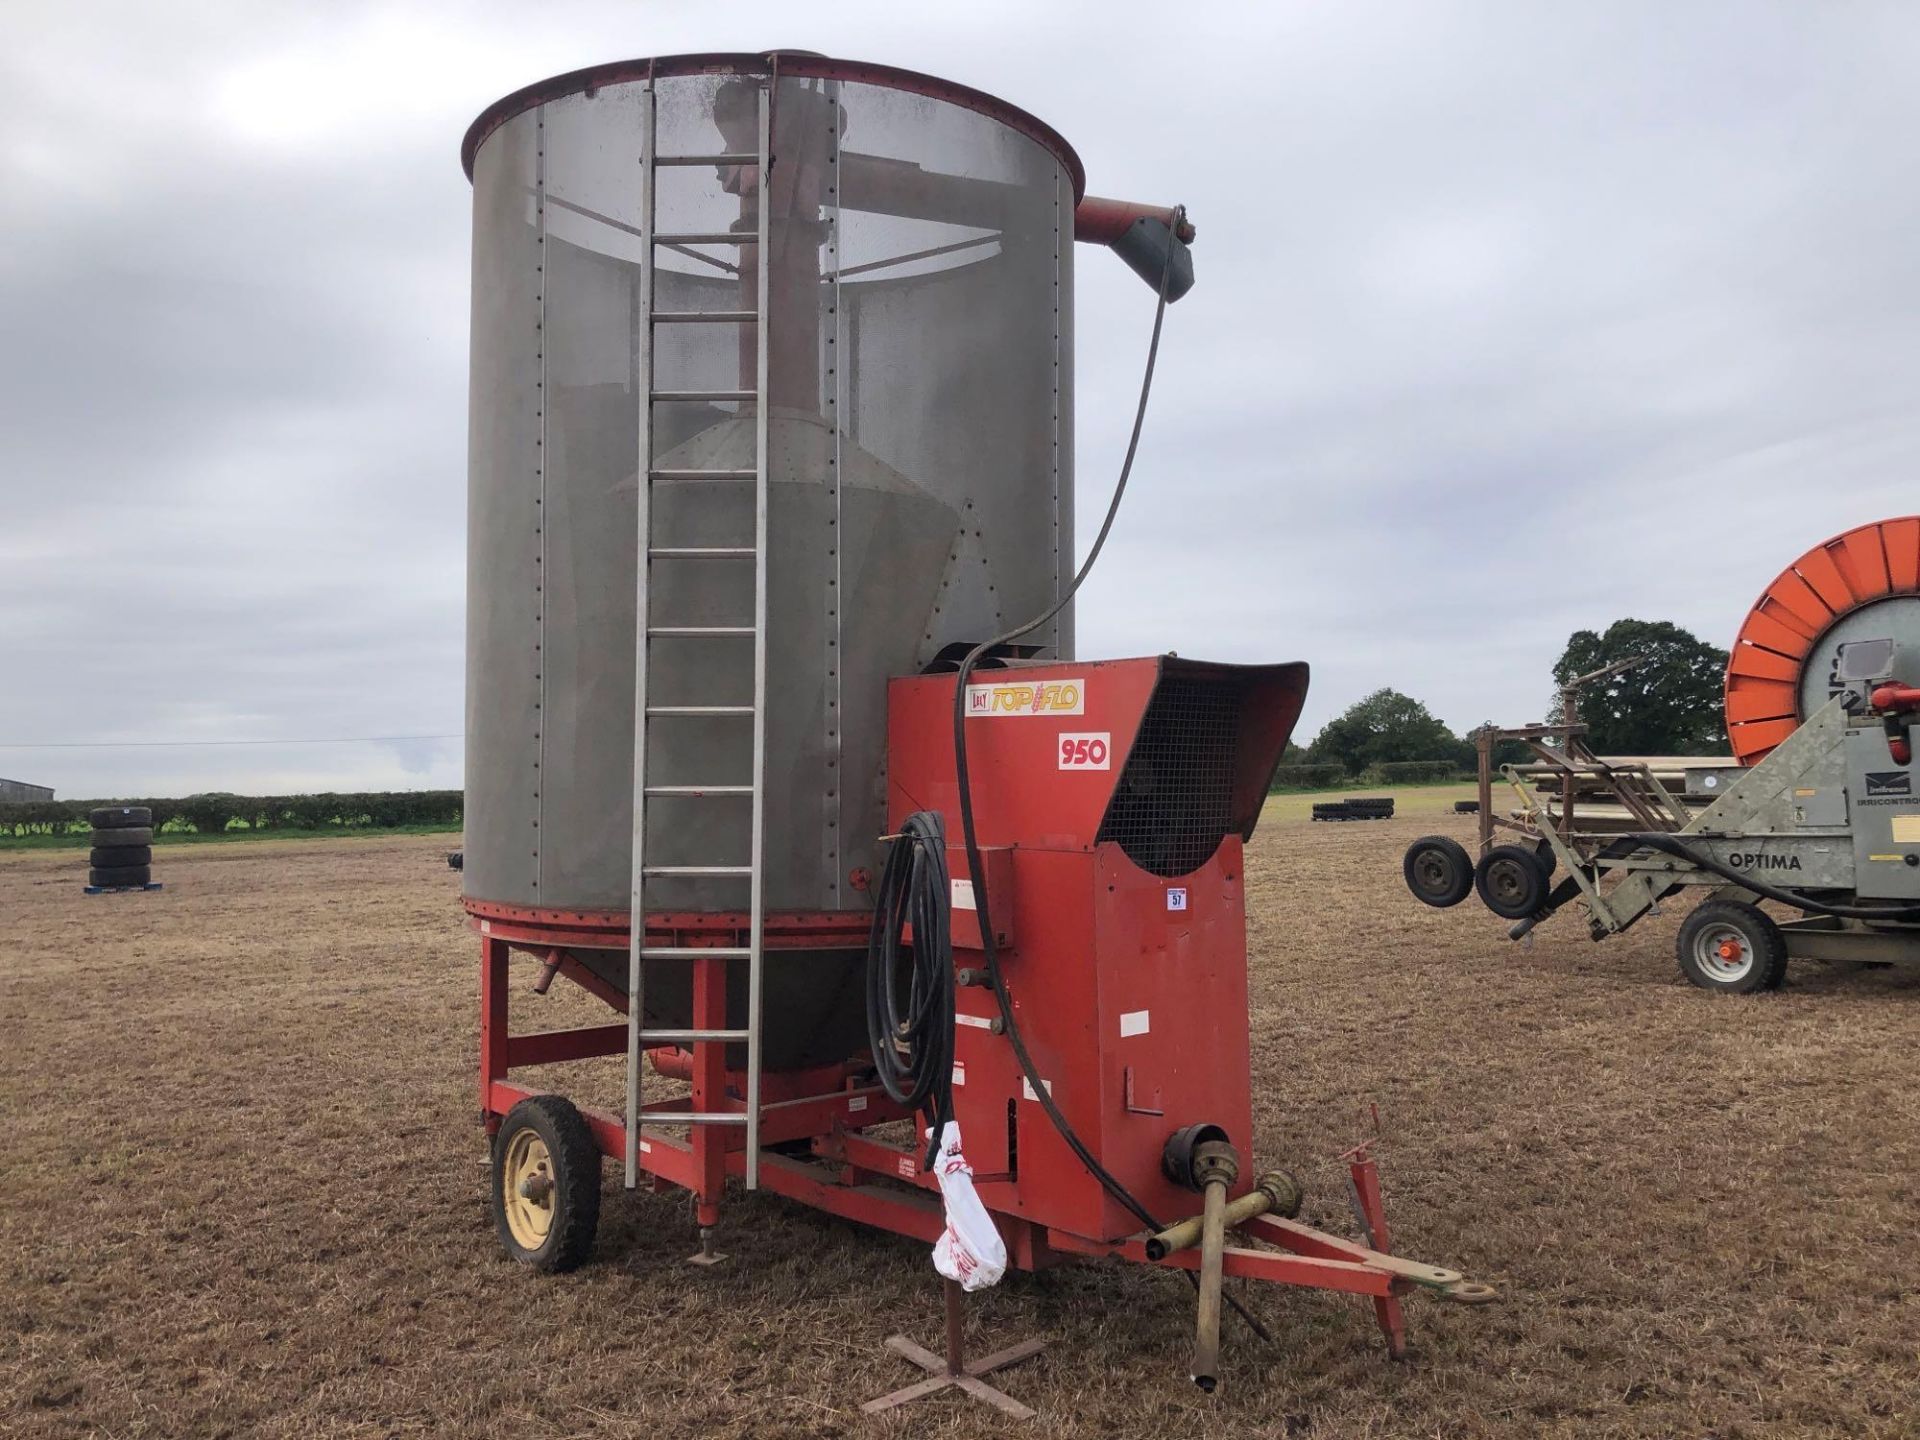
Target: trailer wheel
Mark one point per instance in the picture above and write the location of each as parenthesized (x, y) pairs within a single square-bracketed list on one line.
[(1543, 852), (1512, 882), (546, 1184), (1732, 947), (1438, 871)]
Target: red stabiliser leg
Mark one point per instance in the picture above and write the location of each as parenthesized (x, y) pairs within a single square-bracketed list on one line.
[(1387, 1309)]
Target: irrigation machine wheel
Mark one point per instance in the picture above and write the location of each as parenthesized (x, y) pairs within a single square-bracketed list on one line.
[(546, 1184), (1732, 947), (1512, 882), (1438, 871)]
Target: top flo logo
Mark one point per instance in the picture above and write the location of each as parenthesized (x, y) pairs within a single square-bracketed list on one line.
[(1045, 697)]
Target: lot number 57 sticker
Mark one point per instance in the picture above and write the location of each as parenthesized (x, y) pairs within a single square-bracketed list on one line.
[(1086, 750)]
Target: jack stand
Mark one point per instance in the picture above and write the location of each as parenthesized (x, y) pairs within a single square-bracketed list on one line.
[(706, 1255), (955, 1369)]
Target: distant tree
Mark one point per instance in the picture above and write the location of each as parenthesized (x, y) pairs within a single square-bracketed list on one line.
[(1385, 726), (1669, 705)]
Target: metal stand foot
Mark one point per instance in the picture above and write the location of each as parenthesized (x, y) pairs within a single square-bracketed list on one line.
[(706, 1255), (955, 1369)]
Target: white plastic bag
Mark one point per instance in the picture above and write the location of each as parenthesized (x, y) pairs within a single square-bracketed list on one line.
[(970, 1249)]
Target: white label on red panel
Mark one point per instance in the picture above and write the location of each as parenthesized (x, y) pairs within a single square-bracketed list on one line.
[(963, 895), (1177, 898), (1026, 1088), (858, 1102), (1086, 750), (1028, 697), (905, 1166), (979, 1022), (1134, 1022), (959, 1072)]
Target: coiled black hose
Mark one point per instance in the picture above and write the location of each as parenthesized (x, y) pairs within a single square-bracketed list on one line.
[(911, 1034)]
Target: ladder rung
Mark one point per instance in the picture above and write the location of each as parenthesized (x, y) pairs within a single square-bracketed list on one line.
[(695, 952), (699, 790), (707, 237), (705, 317), (700, 552), (728, 474), (740, 158), (667, 871), (670, 395), (690, 631), (693, 1117), (699, 710), (688, 1037)]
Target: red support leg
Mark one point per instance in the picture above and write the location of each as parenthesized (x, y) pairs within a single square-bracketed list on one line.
[(1387, 1309), (493, 1024), (709, 1093)]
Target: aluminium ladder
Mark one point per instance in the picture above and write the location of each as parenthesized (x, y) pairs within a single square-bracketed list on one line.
[(645, 633)]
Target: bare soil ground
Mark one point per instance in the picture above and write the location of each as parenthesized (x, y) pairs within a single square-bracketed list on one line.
[(242, 1193)]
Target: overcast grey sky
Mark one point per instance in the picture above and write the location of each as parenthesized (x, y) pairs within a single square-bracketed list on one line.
[(1511, 319)]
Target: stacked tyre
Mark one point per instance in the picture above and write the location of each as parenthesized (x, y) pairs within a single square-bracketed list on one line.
[(122, 855), (1332, 810), (1370, 808)]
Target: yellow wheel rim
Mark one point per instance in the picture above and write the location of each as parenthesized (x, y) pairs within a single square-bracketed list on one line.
[(528, 1181)]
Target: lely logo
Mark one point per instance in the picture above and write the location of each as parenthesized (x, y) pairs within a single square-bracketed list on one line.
[(1038, 697)]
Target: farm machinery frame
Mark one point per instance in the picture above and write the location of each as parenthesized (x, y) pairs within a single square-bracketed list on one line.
[(1827, 822)]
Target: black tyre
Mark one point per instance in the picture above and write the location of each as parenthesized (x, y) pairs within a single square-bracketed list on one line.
[(1438, 871), (1511, 881), (115, 877), (1543, 852), (1466, 807), (1332, 810), (1732, 947), (119, 817), (131, 835), (546, 1184), (120, 857)]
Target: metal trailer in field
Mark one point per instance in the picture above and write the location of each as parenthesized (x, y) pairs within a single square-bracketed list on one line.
[(1823, 816), (771, 435)]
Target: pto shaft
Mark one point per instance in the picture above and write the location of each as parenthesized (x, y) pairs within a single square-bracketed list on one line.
[(1216, 1167), (1275, 1192)]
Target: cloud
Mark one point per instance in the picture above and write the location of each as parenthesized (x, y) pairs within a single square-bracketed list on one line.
[(1510, 320)]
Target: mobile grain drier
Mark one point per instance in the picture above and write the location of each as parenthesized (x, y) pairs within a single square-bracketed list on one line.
[(772, 424), (1822, 692)]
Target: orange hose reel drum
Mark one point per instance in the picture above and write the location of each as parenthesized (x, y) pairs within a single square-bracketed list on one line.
[(1782, 663)]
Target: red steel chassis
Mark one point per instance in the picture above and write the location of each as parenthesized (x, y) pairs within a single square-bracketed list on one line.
[(850, 1173)]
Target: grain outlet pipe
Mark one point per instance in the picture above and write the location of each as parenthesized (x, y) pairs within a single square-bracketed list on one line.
[(1215, 1167), (1275, 1192)]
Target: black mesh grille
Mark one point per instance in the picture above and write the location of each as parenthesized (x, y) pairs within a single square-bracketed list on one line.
[(1174, 803)]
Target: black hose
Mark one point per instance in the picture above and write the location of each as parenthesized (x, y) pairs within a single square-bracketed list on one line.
[(1667, 845), (912, 1036), (1108, 1181)]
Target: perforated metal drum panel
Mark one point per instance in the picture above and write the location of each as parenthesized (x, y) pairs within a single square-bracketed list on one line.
[(920, 304)]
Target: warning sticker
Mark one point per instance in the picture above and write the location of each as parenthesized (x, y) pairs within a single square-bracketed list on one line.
[(1028, 697), (1906, 828)]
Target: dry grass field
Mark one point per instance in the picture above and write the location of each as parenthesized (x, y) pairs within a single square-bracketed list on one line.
[(242, 1193)]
